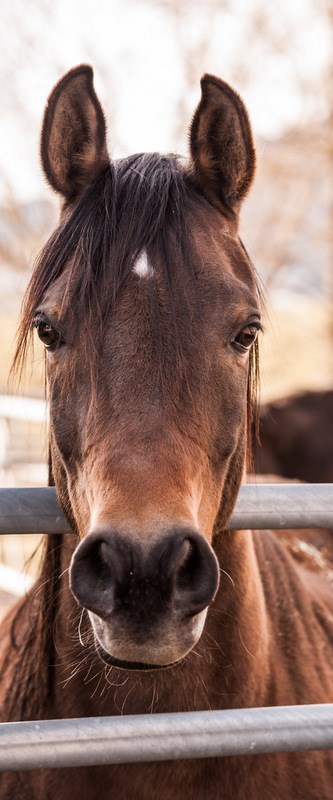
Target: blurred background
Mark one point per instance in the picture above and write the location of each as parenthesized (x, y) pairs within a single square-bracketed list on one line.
[(148, 57)]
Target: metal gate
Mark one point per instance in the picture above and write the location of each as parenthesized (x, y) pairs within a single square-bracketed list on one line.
[(158, 737)]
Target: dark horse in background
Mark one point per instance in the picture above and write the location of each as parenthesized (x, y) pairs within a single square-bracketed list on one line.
[(148, 307), (296, 437)]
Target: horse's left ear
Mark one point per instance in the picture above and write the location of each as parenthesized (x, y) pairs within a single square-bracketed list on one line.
[(221, 145), (73, 142)]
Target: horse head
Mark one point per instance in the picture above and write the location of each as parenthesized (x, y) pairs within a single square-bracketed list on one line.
[(147, 305)]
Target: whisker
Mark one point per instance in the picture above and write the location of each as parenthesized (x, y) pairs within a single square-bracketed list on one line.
[(79, 628), (243, 643), (228, 576)]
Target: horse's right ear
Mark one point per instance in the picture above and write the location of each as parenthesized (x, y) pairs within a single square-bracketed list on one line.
[(73, 142)]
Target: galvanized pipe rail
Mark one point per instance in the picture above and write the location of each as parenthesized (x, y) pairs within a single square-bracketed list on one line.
[(204, 734), (258, 506), (164, 737)]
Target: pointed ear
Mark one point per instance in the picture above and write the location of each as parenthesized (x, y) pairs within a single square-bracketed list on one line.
[(73, 141), (221, 145)]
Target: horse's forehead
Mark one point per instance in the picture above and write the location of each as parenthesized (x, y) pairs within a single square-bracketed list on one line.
[(221, 257)]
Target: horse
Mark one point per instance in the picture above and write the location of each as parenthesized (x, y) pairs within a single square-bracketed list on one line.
[(296, 437), (148, 307)]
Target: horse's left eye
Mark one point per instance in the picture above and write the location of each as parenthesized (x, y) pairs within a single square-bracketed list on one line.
[(49, 335), (246, 337)]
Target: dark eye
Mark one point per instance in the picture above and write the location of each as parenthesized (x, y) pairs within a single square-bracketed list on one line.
[(47, 333), (246, 337)]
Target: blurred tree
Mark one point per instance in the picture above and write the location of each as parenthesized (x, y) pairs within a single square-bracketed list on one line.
[(257, 44), (287, 221), (194, 24)]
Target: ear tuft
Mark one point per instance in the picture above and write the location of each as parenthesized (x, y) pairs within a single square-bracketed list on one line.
[(73, 141), (221, 144)]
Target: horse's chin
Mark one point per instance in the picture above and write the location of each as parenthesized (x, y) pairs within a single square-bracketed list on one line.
[(115, 650), (128, 665)]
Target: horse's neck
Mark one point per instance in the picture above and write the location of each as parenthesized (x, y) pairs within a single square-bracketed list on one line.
[(238, 620)]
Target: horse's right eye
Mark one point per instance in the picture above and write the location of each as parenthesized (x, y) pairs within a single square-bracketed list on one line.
[(49, 335)]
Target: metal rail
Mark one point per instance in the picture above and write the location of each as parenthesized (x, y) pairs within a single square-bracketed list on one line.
[(159, 737), (259, 506), (164, 737)]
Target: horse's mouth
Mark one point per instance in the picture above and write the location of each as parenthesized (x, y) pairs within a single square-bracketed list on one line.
[(132, 665)]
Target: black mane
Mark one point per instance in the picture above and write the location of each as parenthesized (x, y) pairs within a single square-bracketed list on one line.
[(137, 203)]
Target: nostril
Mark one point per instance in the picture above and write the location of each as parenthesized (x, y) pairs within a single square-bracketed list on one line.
[(197, 577), (176, 556), (91, 577), (189, 571)]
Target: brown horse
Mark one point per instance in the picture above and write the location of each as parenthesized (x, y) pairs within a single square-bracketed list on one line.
[(148, 307), (296, 437)]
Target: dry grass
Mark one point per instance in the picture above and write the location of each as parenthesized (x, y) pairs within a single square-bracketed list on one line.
[(7, 336), (32, 381), (297, 349)]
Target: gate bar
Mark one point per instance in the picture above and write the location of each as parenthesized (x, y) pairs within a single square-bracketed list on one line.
[(163, 737), (258, 506)]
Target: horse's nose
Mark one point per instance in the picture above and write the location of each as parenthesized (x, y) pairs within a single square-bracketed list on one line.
[(111, 573)]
